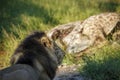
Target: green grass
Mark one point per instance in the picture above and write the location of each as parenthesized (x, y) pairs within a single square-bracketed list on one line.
[(103, 65), (18, 18)]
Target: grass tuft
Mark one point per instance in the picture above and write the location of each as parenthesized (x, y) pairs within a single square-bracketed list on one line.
[(103, 65)]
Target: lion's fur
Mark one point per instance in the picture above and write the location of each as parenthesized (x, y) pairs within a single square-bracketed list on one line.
[(19, 72), (38, 52)]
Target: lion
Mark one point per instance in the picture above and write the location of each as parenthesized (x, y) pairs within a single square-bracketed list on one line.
[(36, 58)]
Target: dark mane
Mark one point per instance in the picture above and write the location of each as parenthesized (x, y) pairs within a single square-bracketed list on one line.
[(31, 49)]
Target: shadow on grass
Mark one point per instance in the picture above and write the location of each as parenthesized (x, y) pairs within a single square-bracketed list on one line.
[(12, 9), (107, 69), (108, 6), (102, 5)]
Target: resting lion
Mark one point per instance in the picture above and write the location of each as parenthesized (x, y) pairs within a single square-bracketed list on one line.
[(36, 58)]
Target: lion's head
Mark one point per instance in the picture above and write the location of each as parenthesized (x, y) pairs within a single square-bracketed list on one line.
[(38, 42), (51, 47)]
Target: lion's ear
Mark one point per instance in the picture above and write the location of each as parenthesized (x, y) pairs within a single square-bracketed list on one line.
[(45, 41)]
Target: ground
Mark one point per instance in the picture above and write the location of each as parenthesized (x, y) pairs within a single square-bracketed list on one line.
[(68, 72)]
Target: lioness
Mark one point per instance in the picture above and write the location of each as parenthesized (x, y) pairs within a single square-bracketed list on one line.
[(36, 58)]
